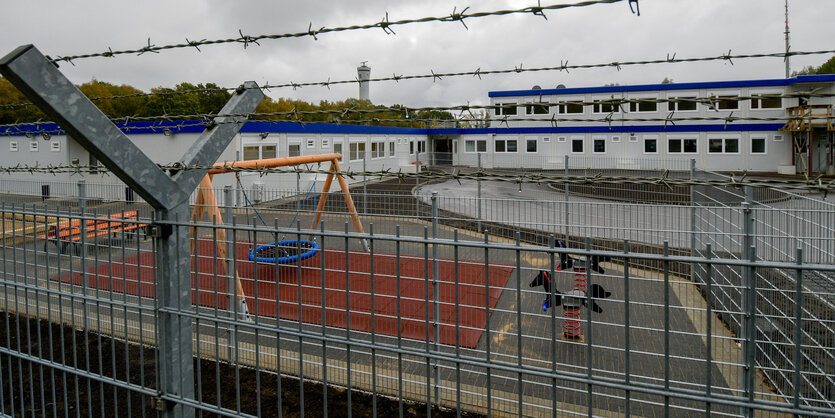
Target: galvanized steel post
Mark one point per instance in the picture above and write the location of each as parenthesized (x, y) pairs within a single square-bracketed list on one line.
[(436, 309), (478, 201), (230, 267), (82, 195), (168, 193), (693, 251), (565, 210), (748, 323)]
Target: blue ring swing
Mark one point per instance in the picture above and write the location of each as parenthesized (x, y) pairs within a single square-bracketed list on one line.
[(281, 244)]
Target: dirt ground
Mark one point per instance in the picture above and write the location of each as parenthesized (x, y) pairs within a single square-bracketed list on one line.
[(29, 389)]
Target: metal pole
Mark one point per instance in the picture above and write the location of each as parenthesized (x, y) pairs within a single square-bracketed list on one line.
[(417, 178), (435, 291), (82, 195), (479, 192), (298, 190), (748, 301), (565, 210), (230, 268), (364, 184), (36, 77), (692, 219)]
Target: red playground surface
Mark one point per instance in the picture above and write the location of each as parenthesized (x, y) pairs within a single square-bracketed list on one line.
[(343, 293)]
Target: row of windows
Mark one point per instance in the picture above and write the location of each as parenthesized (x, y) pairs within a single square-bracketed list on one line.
[(356, 149), (685, 145), (34, 146), (678, 104)]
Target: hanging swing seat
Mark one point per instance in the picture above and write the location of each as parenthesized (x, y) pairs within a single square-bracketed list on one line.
[(284, 252)]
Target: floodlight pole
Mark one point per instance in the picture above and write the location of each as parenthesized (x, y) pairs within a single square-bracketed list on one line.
[(39, 79)]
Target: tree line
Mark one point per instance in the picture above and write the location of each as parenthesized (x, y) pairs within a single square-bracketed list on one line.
[(199, 99)]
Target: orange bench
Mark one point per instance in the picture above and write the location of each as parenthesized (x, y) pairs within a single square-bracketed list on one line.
[(64, 234)]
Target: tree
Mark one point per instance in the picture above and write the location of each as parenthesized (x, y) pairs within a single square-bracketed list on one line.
[(192, 101), (667, 81), (826, 68)]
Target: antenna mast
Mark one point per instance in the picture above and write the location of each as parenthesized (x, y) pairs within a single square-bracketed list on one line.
[(788, 66)]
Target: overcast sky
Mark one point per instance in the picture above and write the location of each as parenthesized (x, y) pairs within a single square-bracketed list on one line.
[(595, 34)]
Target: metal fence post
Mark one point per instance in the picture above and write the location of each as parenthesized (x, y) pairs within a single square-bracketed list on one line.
[(565, 209), (82, 195), (298, 190), (693, 251), (436, 309), (748, 301), (417, 178), (478, 201), (168, 193), (364, 183), (230, 268)]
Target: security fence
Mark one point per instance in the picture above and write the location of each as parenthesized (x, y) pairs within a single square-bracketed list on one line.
[(438, 314), (756, 225)]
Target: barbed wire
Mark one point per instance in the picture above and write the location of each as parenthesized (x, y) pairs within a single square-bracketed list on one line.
[(616, 105), (564, 66), (817, 184), (170, 122), (385, 24)]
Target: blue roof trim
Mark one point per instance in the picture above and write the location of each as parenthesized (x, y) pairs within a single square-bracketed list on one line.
[(327, 128), (197, 126), (777, 82), (311, 128), (757, 127)]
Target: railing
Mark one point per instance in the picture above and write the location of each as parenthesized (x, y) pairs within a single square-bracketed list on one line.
[(806, 117)]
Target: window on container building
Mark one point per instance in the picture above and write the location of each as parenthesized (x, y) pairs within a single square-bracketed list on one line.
[(534, 108), (605, 106), (766, 101), (570, 107), (530, 145), (599, 146), (758, 145), (725, 102), (294, 150), (681, 145), (723, 145), (650, 145), (645, 105), (357, 151), (337, 147), (506, 109), (576, 146), (682, 104)]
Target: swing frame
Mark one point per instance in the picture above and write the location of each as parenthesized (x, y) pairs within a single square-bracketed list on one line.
[(206, 201)]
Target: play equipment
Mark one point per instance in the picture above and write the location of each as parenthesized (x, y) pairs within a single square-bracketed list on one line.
[(576, 298), (281, 251)]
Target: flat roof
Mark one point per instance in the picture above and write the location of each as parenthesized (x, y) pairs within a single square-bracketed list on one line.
[(256, 127), (775, 82)]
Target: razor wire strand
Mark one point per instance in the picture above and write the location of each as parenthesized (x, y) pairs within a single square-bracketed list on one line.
[(385, 24), (564, 66), (817, 184)]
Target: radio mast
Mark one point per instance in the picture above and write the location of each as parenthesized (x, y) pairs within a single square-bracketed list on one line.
[(788, 47)]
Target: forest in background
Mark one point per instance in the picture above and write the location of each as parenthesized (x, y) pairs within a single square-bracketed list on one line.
[(199, 99)]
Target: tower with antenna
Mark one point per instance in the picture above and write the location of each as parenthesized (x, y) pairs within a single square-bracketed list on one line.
[(363, 75), (788, 46)]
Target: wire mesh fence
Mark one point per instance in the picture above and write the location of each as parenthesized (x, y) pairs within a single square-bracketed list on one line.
[(436, 314)]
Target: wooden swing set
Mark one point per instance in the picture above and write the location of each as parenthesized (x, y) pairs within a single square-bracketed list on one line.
[(207, 203)]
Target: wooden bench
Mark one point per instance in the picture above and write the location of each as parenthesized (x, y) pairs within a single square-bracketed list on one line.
[(68, 233)]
